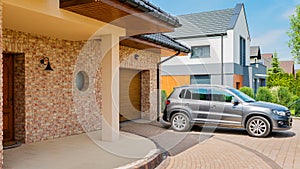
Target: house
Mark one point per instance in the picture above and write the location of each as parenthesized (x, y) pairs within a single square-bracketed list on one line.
[(100, 51), (288, 67), (220, 43), (258, 69), (267, 59)]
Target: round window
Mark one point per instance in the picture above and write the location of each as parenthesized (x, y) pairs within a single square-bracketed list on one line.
[(82, 81)]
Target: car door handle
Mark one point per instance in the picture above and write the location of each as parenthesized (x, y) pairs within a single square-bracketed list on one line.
[(186, 104), (213, 107)]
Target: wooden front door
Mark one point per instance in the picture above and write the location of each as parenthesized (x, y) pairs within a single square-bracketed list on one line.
[(8, 104)]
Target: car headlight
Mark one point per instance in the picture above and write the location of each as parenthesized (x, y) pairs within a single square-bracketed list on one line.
[(279, 112)]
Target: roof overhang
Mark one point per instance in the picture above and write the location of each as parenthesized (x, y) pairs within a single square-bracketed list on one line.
[(136, 16), (142, 44), (46, 18), (261, 75)]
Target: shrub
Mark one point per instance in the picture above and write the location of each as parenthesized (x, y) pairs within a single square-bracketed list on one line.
[(248, 91), (284, 96), (163, 100), (297, 108), (264, 94), (274, 92)]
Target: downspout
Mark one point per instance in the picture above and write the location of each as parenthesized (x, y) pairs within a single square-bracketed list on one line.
[(158, 81), (222, 59)]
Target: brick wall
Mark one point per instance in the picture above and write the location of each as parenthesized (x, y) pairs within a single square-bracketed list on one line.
[(50, 97), (19, 96), (51, 105), (146, 62)]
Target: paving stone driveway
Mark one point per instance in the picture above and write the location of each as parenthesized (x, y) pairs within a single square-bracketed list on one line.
[(235, 149)]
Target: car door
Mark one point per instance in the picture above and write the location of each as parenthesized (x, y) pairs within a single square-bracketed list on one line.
[(222, 110), (197, 101)]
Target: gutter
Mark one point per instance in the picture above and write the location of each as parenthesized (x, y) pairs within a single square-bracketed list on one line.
[(158, 82)]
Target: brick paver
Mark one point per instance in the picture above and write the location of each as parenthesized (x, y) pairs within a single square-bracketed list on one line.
[(233, 148)]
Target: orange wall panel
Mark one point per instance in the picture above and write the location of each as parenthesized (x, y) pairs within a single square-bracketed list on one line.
[(237, 79), (169, 82)]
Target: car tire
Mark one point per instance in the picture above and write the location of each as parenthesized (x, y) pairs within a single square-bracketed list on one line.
[(258, 126), (180, 122)]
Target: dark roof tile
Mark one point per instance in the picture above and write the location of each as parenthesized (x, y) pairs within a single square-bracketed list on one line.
[(165, 41)]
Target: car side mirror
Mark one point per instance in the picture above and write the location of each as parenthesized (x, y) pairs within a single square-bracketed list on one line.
[(234, 101)]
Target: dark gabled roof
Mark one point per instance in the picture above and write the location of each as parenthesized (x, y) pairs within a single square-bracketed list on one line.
[(255, 52), (153, 10), (165, 41), (207, 23)]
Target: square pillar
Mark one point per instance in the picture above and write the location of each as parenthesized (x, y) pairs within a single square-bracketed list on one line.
[(110, 88)]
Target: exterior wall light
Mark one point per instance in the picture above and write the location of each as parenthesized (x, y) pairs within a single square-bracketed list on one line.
[(46, 61)]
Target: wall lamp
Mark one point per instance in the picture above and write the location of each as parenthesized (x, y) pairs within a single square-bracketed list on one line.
[(46, 61)]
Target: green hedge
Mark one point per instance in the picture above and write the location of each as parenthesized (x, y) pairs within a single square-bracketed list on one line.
[(248, 91), (264, 94), (163, 100)]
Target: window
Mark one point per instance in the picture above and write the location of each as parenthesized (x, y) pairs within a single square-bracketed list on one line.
[(220, 96), (82, 81), (200, 79), (200, 52), (181, 95), (242, 51), (196, 94), (237, 85)]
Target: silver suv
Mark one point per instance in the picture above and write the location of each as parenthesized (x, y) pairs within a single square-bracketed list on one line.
[(223, 106)]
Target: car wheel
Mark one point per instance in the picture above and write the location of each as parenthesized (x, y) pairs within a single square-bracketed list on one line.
[(180, 122), (258, 126)]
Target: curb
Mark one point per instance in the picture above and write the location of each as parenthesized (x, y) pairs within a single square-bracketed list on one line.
[(150, 161), (295, 118)]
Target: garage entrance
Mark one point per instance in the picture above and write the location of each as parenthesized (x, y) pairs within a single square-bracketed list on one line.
[(130, 94)]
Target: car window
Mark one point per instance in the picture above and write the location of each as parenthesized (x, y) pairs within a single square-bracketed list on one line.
[(181, 95), (220, 96), (188, 94), (197, 94)]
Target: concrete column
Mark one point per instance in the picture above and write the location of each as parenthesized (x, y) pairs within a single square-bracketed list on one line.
[(110, 88)]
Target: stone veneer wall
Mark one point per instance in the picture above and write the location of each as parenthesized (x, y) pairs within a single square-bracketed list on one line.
[(1, 85), (51, 105), (146, 62), (50, 97), (19, 96)]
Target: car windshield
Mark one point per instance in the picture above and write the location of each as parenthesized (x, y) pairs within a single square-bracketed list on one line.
[(241, 95)]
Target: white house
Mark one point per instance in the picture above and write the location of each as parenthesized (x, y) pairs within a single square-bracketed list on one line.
[(220, 43)]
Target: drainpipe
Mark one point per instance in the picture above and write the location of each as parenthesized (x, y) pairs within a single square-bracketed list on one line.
[(222, 59), (158, 81)]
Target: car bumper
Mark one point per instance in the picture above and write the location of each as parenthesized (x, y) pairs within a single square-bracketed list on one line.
[(282, 123)]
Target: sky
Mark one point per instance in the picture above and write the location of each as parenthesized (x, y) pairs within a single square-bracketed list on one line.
[(268, 20)]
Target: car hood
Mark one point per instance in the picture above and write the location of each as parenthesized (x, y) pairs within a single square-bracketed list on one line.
[(268, 105)]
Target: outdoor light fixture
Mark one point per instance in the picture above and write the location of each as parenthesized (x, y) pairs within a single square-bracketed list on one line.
[(136, 56), (46, 61)]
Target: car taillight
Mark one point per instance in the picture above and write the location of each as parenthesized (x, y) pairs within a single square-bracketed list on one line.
[(168, 102)]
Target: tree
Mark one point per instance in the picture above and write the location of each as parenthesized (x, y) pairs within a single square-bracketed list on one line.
[(294, 34), (275, 65)]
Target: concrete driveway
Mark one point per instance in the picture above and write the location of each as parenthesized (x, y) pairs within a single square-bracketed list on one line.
[(233, 148)]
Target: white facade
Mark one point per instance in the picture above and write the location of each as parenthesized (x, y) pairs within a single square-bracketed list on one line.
[(185, 65)]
